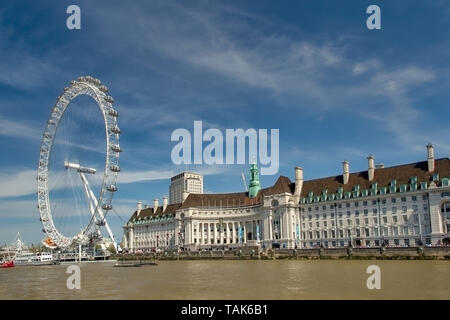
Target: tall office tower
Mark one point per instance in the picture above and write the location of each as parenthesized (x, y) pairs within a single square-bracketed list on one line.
[(184, 183)]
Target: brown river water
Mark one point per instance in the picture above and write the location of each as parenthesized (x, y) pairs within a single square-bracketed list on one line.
[(279, 279)]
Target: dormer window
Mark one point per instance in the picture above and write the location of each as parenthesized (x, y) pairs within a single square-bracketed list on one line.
[(436, 177), (444, 182), (413, 180)]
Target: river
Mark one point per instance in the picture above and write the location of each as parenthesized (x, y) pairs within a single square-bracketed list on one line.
[(225, 279)]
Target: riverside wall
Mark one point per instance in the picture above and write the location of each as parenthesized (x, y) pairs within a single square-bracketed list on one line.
[(254, 253)]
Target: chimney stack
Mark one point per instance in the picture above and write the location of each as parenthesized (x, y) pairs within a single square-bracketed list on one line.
[(165, 203), (371, 167), (430, 150), (298, 184), (155, 205), (345, 171), (138, 208)]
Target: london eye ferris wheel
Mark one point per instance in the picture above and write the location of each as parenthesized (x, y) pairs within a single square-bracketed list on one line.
[(78, 165)]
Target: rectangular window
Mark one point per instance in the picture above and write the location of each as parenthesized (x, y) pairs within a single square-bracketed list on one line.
[(405, 230), (394, 200), (414, 198), (394, 219), (416, 230), (366, 212), (365, 203), (403, 199)]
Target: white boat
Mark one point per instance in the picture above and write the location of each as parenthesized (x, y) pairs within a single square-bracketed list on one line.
[(34, 259)]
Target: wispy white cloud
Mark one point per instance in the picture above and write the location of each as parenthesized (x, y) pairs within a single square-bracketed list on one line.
[(209, 39), (19, 183), (12, 128)]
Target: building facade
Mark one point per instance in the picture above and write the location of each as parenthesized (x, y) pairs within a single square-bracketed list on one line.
[(405, 205), (183, 184)]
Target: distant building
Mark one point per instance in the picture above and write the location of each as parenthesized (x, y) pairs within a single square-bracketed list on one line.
[(183, 184), (404, 205)]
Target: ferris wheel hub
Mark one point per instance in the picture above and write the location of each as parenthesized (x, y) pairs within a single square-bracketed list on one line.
[(78, 167)]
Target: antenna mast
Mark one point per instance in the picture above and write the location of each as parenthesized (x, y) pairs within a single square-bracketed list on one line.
[(243, 180)]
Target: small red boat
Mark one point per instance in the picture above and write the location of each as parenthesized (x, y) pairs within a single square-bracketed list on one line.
[(7, 264)]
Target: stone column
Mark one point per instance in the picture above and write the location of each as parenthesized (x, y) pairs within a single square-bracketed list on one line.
[(131, 238)]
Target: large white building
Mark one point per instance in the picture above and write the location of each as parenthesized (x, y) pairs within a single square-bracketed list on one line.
[(183, 184), (404, 205)]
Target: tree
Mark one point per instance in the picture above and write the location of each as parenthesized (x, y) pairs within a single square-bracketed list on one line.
[(111, 249)]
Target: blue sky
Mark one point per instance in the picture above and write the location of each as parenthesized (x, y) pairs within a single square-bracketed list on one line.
[(312, 69)]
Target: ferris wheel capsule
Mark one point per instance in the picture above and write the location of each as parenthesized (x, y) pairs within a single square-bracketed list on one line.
[(116, 148), (116, 129), (115, 168), (112, 188), (106, 206), (113, 113), (109, 99)]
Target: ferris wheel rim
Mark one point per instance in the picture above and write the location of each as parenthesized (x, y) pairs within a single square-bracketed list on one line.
[(98, 92)]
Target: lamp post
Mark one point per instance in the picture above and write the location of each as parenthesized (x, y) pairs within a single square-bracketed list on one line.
[(221, 233), (379, 222)]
